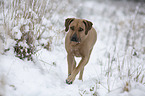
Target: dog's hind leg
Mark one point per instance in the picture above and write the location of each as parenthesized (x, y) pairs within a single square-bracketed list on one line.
[(81, 74)]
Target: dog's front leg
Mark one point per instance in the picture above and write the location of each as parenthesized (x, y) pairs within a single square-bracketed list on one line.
[(71, 63), (80, 67)]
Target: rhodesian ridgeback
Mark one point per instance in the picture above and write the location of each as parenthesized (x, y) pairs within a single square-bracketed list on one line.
[(79, 42)]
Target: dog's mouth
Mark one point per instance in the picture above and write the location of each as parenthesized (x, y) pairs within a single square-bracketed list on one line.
[(73, 43), (74, 40)]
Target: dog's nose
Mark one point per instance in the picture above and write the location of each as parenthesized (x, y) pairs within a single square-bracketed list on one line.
[(74, 38)]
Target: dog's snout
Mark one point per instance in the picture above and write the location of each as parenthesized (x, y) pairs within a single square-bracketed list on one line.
[(74, 38)]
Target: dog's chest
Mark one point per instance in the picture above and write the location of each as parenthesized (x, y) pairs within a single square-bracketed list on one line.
[(76, 52)]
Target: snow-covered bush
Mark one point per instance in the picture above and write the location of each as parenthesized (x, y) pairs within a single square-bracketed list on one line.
[(34, 23)]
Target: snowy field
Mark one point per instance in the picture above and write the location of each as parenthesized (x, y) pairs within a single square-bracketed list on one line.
[(117, 63)]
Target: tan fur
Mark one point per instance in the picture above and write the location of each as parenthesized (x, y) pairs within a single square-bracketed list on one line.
[(82, 48)]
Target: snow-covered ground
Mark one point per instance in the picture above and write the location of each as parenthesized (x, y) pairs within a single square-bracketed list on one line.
[(112, 69)]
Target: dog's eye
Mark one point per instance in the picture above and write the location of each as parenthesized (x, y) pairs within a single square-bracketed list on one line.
[(72, 28), (80, 29)]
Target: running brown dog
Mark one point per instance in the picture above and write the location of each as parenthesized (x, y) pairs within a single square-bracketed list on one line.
[(79, 42)]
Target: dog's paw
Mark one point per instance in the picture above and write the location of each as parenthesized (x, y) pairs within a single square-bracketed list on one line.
[(68, 82), (70, 79)]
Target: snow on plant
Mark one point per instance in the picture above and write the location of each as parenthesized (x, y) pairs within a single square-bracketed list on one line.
[(33, 22), (125, 58)]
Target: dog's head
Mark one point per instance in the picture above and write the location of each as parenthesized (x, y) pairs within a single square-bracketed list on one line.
[(78, 29)]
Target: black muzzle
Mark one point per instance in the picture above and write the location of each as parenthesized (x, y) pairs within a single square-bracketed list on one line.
[(74, 38)]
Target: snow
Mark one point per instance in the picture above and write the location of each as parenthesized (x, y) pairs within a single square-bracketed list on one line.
[(16, 33), (109, 70), (24, 77)]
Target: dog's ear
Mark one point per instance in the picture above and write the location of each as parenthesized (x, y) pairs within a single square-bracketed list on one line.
[(67, 23), (88, 26)]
